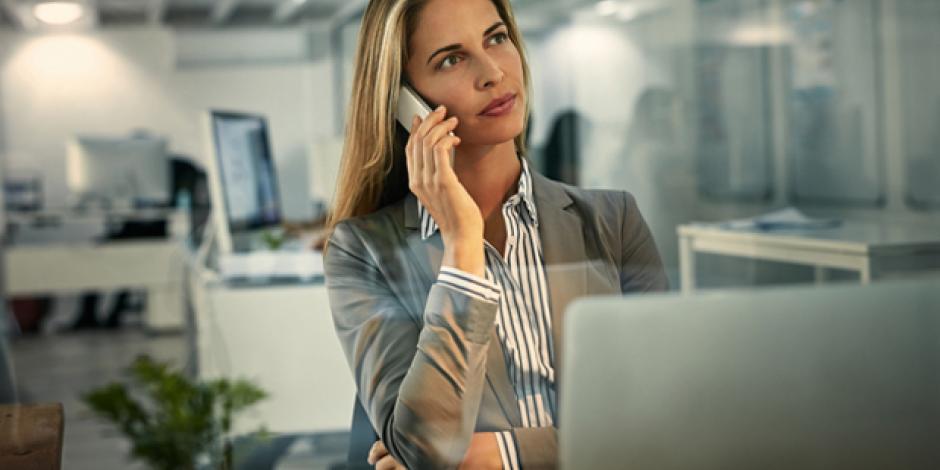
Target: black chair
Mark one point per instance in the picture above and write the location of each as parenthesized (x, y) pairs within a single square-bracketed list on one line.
[(561, 154), (184, 176), (361, 438)]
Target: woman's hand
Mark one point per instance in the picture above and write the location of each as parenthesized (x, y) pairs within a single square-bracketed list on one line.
[(482, 454), (433, 181), (382, 460)]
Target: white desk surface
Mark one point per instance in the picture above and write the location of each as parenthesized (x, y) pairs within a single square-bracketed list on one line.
[(64, 257), (282, 337), (866, 238), (68, 213)]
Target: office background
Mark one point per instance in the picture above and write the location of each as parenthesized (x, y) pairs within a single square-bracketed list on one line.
[(703, 109), (706, 110)]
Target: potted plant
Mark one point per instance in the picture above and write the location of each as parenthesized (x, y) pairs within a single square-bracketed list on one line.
[(173, 422)]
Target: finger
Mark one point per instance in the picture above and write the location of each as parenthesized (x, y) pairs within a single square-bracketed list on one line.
[(386, 463), (442, 129), (410, 147), (417, 158), (376, 452), (442, 152), (432, 140), (427, 165), (435, 117)]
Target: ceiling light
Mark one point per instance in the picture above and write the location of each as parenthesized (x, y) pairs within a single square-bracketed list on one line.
[(58, 13), (606, 7), (628, 12)]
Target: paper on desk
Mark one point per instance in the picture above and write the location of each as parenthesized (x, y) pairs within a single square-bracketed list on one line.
[(788, 218)]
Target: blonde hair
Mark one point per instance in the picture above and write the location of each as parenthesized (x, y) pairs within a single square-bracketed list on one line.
[(372, 171)]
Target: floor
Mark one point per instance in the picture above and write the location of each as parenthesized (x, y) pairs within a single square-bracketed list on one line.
[(59, 367)]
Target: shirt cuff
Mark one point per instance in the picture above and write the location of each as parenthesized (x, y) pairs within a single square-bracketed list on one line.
[(507, 450), (469, 284)]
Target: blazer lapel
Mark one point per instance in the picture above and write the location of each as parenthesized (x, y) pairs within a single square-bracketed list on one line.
[(563, 249)]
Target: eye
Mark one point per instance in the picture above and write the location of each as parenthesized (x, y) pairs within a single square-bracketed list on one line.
[(449, 62), (498, 38)]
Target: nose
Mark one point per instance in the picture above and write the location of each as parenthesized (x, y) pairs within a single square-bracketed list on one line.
[(490, 73)]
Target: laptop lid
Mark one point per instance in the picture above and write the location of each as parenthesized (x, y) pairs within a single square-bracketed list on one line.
[(833, 377)]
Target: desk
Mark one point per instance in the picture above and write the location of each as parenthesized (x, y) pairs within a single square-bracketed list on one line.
[(871, 249), (31, 436), (64, 265), (281, 336)]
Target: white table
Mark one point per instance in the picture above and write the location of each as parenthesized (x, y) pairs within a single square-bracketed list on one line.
[(62, 259), (281, 336), (155, 266), (869, 248)]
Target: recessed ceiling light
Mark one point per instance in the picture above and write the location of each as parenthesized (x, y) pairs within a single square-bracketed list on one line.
[(606, 7), (58, 13)]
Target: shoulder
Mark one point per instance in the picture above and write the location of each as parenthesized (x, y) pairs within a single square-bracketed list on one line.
[(369, 232), (603, 205), (609, 217), (606, 201)]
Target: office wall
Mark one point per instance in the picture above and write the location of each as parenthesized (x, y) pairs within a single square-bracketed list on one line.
[(608, 72), (690, 105), (113, 82)]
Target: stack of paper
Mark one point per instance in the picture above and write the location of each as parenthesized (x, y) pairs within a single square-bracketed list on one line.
[(784, 219)]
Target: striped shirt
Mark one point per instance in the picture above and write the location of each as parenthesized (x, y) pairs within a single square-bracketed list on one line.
[(516, 280)]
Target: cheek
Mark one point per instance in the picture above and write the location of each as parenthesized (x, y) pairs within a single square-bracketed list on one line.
[(454, 92), (511, 62)]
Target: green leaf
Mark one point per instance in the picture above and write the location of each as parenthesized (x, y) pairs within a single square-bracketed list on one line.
[(171, 419)]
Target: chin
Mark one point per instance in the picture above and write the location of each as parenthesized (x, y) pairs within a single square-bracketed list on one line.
[(492, 133)]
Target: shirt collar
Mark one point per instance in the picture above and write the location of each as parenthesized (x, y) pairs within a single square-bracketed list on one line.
[(523, 195)]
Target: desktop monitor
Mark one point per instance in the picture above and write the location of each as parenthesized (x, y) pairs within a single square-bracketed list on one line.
[(242, 179), (115, 171), (842, 377)]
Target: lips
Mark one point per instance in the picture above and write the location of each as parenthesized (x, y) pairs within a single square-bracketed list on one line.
[(500, 106)]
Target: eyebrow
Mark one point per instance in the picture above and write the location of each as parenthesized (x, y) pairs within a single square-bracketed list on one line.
[(454, 47)]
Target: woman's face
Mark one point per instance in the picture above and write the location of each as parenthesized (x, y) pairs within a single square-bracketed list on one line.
[(461, 57)]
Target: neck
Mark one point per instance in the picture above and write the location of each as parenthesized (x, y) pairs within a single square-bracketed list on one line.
[(489, 173)]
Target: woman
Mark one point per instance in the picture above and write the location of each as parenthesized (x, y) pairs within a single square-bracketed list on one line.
[(448, 284)]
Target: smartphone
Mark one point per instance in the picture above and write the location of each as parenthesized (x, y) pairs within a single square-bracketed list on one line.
[(410, 104)]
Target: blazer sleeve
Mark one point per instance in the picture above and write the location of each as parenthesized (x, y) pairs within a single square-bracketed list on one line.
[(420, 382), (641, 267)]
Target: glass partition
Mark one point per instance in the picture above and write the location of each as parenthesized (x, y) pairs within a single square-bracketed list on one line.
[(833, 104), (733, 132), (918, 26)]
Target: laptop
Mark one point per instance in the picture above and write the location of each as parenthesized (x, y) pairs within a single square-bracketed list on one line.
[(844, 377)]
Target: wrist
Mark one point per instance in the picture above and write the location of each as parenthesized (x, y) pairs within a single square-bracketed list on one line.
[(466, 256), (483, 452)]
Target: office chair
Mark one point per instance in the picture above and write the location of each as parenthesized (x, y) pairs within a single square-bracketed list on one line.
[(560, 156), (361, 438)]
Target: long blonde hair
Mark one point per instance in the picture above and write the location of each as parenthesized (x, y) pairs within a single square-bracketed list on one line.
[(372, 172)]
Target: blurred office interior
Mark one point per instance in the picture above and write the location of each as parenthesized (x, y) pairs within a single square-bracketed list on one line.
[(707, 111)]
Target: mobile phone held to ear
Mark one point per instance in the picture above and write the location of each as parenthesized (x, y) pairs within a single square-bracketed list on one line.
[(409, 105)]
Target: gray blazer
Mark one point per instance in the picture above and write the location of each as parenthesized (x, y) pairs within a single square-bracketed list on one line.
[(428, 365)]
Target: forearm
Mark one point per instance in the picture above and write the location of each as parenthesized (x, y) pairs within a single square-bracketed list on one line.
[(420, 379), (484, 453), (537, 447), (527, 448), (435, 413)]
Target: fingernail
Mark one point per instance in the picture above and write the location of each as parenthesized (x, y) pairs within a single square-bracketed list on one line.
[(439, 109)]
